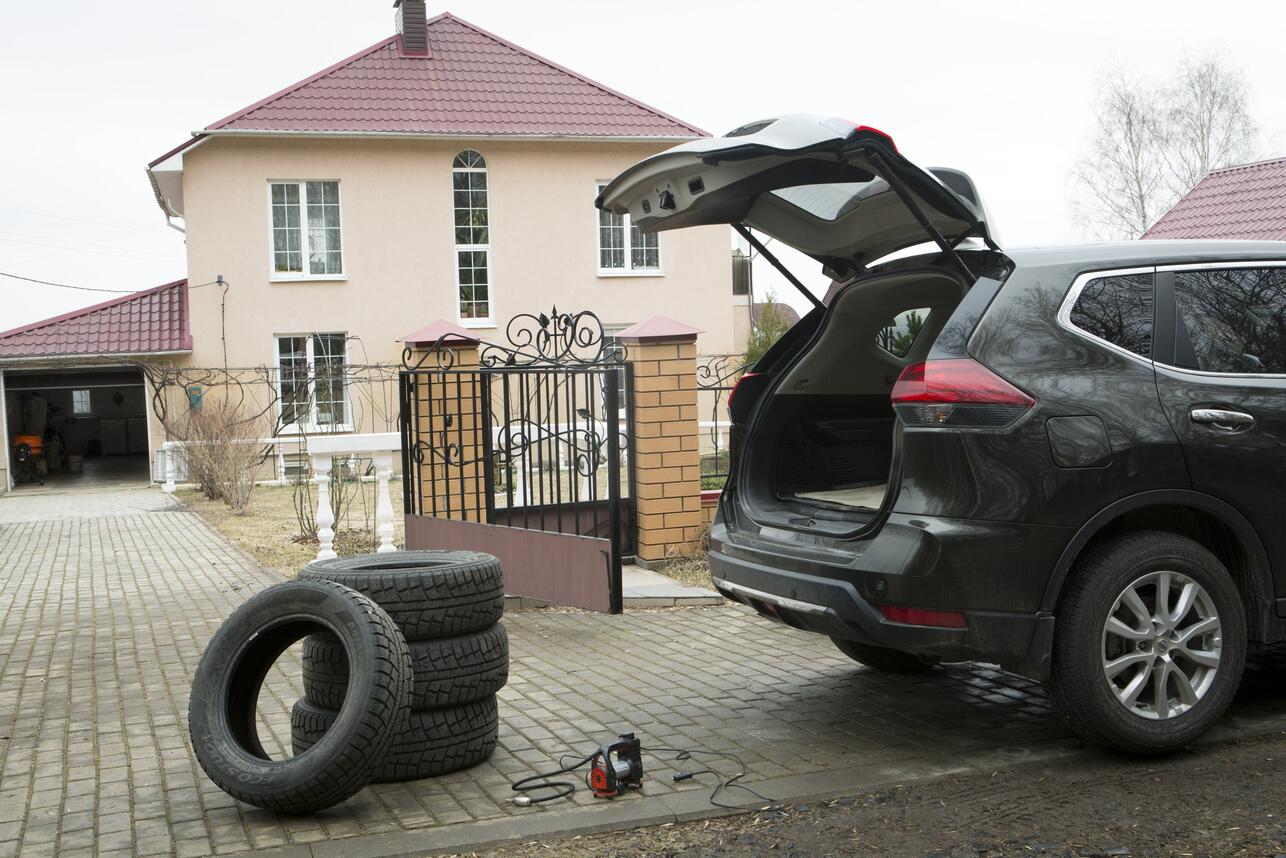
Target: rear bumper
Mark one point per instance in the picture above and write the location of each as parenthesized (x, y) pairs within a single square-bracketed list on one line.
[(798, 588)]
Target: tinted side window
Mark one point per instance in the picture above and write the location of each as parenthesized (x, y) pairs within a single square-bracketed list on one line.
[(1231, 320), (900, 333), (1118, 310)]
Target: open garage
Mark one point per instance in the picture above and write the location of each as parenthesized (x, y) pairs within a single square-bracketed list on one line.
[(81, 426), (75, 408)]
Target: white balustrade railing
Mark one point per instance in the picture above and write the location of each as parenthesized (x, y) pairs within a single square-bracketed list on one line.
[(322, 451), (379, 447)]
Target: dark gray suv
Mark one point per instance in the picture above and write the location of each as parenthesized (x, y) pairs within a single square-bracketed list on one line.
[(1067, 461)]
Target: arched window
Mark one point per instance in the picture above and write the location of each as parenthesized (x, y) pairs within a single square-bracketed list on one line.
[(472, 236)]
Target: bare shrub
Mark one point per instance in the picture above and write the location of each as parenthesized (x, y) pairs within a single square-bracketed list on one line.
[(223, 448)]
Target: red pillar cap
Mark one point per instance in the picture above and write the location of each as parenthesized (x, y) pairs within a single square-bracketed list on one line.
[(442, 331), (659, 328)]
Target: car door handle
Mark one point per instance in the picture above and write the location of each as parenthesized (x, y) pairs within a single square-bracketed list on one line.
[(1222, 418)]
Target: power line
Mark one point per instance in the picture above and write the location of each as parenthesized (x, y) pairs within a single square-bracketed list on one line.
[(84, 220), (220, 282), (136, 257), (67, 285), (72, 244)]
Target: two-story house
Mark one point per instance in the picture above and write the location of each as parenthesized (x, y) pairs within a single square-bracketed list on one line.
[(443, 173)]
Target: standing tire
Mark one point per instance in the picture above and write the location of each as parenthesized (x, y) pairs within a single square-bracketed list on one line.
[(448, 671), (1149, 643), (882, 658), (225, 690), (429, 594), (433, 742)]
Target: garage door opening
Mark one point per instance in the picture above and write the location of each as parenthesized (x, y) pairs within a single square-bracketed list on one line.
[(74, 428)]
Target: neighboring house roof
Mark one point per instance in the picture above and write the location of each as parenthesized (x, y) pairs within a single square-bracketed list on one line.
[(1242, 202), (785, 311), (151, 321), (835, 286), (471, 83)]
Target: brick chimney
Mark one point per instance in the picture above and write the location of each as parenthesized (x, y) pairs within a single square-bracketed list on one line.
[(412, 27)]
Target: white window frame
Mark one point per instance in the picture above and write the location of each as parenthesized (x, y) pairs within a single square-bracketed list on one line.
[(311, 427), (295, 276), (610, 340), (629, 270), (457, 249), (89, 402)]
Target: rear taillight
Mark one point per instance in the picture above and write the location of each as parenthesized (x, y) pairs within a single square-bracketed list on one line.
[(960, 392), (745, 376)]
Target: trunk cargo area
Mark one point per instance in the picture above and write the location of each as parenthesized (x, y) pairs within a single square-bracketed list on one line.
[(823, 444)]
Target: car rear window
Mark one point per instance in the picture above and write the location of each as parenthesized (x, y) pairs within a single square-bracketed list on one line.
[(1117, 310), (830, 201)]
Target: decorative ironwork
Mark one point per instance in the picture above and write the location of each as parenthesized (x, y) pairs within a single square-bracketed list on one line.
[(439, 356), (720, 372), (717, 375), (533, 446), (550, 339)]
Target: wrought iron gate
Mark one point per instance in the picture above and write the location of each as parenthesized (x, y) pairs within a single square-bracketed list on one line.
[(527, 453)]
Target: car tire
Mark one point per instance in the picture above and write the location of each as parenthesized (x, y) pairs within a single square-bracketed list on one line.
[(1113, 650), (222, 722), (881, 658), (432, 742), (429, 594), (448, 671)]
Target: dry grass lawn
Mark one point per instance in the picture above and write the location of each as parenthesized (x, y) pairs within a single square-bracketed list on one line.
[(269, 530), (691, 571)]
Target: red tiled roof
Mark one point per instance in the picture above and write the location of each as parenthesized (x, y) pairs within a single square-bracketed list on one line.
[(1245, 202), (154, 320), (473, 82)]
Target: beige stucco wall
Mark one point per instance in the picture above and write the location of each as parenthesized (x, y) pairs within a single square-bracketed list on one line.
[(396, 210)]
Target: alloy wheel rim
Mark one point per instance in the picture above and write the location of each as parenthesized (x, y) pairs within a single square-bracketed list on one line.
[(1162, 645)]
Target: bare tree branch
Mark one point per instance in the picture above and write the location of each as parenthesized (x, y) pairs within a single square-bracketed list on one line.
[(1207, 122), (1152, 144)]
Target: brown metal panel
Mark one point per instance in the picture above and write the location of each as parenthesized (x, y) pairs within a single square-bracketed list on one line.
[(553, 567)]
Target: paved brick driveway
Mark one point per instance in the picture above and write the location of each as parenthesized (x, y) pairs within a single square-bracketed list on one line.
[(109, 597)]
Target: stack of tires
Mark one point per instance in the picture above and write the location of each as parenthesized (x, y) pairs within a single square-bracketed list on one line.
[(448, 606)]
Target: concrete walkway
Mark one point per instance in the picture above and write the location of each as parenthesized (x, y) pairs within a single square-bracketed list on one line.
[(644, 588), (108, 598)]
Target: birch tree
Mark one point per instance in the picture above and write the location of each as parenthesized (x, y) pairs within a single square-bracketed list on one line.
[(1206, 124), (1152, 143)]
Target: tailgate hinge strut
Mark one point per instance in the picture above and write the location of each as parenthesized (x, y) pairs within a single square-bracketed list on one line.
[(899, 188), (776, 263)]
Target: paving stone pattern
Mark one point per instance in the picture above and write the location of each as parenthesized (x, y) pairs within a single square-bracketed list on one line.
[(109, 598)]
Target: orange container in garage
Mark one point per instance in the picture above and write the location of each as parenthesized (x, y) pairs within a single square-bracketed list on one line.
[(35, 442)]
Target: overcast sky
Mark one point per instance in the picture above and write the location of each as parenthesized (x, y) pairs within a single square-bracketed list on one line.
[(91, 90)]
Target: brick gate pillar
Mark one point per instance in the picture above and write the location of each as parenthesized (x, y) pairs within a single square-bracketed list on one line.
[(449, 393), (667, 475)]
